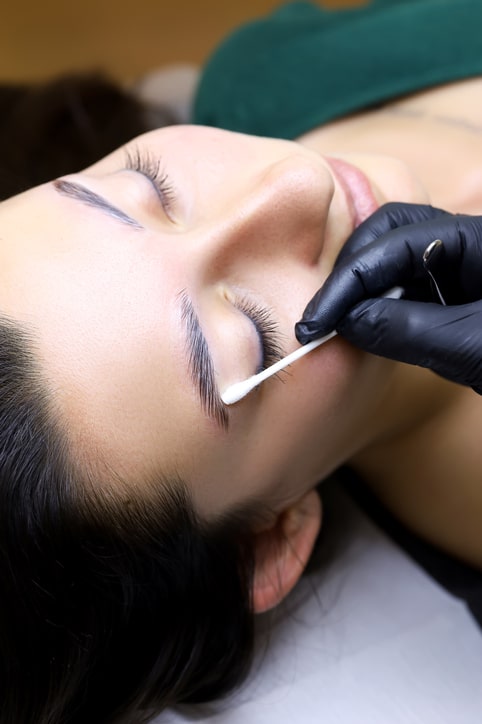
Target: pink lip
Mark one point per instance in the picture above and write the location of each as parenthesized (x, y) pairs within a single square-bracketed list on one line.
[(357, 189)]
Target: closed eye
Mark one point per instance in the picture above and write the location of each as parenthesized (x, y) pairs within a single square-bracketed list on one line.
[(267, 330), (145, 163)]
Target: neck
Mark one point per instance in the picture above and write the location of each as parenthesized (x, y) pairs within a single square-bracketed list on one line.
[(426, 469), (438, 133)]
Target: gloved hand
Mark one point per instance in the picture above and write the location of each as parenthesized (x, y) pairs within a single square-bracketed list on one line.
[(387, 250)]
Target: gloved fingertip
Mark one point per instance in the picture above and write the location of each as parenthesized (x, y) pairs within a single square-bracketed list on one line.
[(303, 332)]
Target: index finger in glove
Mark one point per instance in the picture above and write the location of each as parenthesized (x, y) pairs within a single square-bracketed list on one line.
[(394, 259)]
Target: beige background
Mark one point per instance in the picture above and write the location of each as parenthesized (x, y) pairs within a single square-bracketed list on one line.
[(126, 38)]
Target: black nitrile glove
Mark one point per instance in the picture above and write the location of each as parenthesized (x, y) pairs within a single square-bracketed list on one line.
[(387, 250)]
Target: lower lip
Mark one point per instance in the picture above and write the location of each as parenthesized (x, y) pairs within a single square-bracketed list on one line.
[(358, 192)]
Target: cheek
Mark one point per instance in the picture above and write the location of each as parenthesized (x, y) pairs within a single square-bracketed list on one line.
[(319, 417), (295, 433)]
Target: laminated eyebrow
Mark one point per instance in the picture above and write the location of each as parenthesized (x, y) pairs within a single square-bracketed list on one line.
[(76, 191), (201, 366)]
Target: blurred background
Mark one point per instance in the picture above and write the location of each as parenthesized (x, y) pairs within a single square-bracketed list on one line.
[(125, 38)]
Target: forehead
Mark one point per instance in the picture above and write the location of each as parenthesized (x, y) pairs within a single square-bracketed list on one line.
[(105, 319)]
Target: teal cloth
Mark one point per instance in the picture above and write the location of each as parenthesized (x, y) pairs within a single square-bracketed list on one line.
[(302, 66)]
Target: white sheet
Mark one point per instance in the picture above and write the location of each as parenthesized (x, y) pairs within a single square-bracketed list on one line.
[(369, 639)]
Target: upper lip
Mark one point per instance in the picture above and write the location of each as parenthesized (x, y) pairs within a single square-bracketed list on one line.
[(356, 188)]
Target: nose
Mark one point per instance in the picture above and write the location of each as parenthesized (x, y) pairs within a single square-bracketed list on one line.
[(280, 212)]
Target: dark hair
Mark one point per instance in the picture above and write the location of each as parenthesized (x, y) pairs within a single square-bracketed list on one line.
[(118, 601), (114, 604), (49, 129)]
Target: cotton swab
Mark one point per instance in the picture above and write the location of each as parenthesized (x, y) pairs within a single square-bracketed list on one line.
[(235, 393)]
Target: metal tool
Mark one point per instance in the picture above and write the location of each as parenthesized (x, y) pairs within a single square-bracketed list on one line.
[(433, 250)]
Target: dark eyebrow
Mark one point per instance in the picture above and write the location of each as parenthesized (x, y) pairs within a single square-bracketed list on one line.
[(80, 193), (201, 365)]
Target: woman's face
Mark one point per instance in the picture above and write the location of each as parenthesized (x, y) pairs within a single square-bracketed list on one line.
[(150, 296)]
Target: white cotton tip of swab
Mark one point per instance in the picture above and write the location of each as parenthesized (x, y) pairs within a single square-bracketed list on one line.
[(236, 392)]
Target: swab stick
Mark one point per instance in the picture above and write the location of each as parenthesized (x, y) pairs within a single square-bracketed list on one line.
[(236, 392)]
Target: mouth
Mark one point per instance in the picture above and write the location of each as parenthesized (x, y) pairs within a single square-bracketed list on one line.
[(358, 192)]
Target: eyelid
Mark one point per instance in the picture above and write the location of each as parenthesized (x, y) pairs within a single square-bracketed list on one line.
[(267, 330), (142, 161)]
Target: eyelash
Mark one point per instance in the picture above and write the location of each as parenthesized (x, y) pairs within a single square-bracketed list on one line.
[(267, 330), (146, 164)]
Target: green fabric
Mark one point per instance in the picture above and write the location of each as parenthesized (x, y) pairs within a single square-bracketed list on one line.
[(303, 65)]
